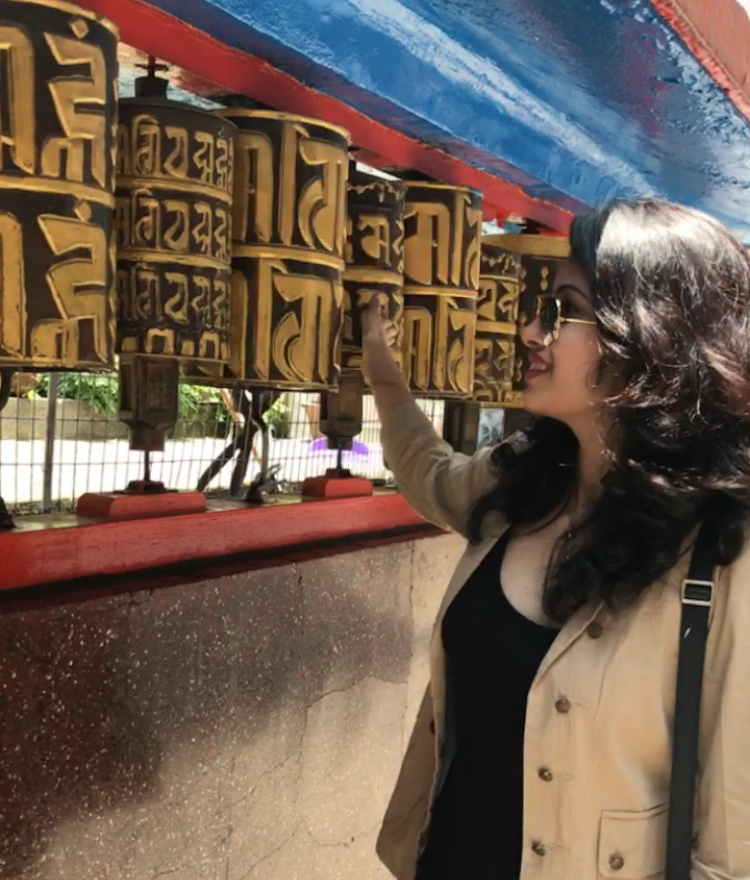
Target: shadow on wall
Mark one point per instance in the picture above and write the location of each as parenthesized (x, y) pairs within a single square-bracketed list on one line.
[(72, 742), (100, 701)]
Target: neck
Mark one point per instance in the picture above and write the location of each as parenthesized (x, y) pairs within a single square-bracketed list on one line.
[(593, 460)]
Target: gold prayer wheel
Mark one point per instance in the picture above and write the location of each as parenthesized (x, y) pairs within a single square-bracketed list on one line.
[(497, 325), (58, 92), (374, 258), (540, 257), (290, 195), (174, 231), (442, 232)]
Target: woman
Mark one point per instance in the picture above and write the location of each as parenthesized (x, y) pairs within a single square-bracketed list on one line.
[(542, 746)]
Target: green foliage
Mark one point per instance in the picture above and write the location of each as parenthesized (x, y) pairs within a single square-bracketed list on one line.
[(277, 418), (192, 397), (101, 392), (196, 403)]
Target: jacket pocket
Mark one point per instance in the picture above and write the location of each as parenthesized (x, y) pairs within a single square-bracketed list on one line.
[(633, 846)]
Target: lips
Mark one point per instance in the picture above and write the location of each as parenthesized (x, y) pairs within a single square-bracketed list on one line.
[(537, 366), (538, 362)]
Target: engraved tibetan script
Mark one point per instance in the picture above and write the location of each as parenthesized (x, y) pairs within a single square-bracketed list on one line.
[(497, 325), (374, 259), (58, 91), (174, 232), (289, 222), (441, 281)]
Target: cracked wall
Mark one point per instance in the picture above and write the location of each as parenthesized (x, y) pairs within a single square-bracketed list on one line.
[(248, 727)]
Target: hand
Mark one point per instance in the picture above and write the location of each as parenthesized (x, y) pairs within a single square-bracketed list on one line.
[(377, 329), (379, 336)]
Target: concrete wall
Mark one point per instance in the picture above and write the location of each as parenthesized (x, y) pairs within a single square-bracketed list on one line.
[(23, 419), (245, 728)]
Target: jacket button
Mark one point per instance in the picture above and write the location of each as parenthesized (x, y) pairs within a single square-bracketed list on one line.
[(595, 630), (617, 863), (545, 775), (563, 705), (538, 848)]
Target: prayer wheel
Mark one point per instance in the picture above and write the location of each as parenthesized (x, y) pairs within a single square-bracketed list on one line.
[(58, 92), (290, 194), (374, 258), (174, 228), (442, 232), (497, 325), (540, 257), (173, 234)]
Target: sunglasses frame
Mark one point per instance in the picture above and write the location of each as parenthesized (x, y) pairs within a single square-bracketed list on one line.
[(552, 334)]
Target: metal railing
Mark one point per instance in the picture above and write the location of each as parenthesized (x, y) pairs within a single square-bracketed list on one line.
[(60, 437)]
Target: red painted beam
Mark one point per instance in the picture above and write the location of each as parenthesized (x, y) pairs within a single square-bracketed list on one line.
[(34, 554), (157, 33), (717, 32)]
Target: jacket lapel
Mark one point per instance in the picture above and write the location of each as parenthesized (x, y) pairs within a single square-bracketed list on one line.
[(568, 635)]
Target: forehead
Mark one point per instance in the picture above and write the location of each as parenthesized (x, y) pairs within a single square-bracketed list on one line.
[(572, 275)]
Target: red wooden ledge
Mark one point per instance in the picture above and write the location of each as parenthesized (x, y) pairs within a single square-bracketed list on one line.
[(45, 550)]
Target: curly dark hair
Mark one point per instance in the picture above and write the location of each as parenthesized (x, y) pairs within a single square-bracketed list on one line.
[(670, 289)]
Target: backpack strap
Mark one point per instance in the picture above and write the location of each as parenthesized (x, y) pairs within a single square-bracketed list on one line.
[(698, 593)]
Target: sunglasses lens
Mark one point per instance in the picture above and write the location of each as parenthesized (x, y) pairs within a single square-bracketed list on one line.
[(548, 314)]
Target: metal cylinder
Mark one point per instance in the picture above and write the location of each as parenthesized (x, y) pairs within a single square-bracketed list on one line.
[(540, 257), (174, 232), (288, 255), (442, 231), (497, 325), (58, 93), (374, 259)]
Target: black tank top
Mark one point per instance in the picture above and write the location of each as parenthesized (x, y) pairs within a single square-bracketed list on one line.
[(492, 655)]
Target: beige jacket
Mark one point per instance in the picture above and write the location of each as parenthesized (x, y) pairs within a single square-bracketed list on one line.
[(599, 711)]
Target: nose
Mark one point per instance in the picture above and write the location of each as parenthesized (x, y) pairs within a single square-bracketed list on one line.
[(532, 335)]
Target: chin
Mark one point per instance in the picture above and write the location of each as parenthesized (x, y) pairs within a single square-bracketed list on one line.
[(553, 406), (533, 402)]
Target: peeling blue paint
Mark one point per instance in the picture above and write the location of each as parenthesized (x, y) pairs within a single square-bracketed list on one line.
[(576, 100)]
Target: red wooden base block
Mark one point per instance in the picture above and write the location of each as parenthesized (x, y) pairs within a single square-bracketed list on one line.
[(125, 505), (333, 485)]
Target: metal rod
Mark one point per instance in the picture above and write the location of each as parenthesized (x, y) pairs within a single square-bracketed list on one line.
[(49, 442), (146, 467)]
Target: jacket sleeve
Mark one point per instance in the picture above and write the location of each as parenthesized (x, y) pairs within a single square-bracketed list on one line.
[(723, 806), (439, 484)]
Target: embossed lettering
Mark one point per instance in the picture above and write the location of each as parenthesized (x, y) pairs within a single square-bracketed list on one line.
[(177, 161), (322, 202), (427, 253), (254, 187), (77, 287), (18, 99), (12, 288), (73, 95)]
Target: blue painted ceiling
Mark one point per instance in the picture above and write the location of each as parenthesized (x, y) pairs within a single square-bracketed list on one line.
[(578, 101)]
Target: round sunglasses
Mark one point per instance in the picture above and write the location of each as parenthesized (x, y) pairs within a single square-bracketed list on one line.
[(551, 318)]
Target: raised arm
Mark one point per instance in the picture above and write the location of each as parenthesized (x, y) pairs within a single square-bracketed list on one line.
[(439, 484)]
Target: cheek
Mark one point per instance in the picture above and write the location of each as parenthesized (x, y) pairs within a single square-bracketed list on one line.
[(575, 365), (577, 361)]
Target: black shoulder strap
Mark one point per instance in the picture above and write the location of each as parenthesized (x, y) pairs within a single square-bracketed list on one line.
[(697, 598)]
